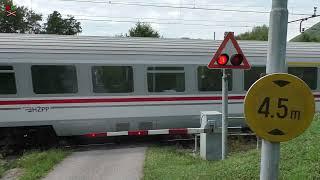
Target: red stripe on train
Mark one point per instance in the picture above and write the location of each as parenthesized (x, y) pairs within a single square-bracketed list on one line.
[(105, 100), (111, 100)]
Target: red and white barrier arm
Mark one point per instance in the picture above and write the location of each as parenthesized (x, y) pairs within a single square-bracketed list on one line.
[(179, 131)]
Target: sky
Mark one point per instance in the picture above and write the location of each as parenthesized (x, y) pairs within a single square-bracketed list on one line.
[(204, 19)]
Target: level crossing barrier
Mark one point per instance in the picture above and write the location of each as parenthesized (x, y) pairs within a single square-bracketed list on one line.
[(209, 132), (174, 131)]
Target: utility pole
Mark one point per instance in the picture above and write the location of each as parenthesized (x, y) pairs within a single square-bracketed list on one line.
[(276, 62)]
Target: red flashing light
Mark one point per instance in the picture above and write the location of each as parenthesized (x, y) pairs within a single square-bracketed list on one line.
[(93, 135), (236, 59), (223, 59), (8, 8), (138, 133)]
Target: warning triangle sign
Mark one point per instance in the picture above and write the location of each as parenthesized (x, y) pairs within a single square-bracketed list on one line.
[(229, 55)]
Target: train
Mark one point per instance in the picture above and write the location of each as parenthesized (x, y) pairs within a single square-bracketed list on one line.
[(55, 85)]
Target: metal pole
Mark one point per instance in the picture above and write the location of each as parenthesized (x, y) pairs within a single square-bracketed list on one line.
[(301, 25), (224, 114), (196, 143), (270, 152), (277, 37)]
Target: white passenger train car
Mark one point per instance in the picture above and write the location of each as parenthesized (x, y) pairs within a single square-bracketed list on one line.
[(76, 85)]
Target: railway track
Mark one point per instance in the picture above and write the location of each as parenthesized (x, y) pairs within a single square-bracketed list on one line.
[(28, 142)]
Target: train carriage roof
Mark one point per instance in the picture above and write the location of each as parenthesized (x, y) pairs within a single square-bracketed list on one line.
[(41, 48)]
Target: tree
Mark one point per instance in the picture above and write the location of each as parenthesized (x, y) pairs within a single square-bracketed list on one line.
[(259, 33), (306, 37), (57, 25), (25, 21), (143, 30)]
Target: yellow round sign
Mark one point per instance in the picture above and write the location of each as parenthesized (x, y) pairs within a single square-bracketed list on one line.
[(279, 107)]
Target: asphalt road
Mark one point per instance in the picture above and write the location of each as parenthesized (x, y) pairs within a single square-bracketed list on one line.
[(122, 163)]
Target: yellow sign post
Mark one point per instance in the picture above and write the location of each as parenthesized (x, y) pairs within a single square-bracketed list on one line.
[(279, 107)]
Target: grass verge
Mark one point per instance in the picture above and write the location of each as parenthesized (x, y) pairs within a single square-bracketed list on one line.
[(2, 168), (35, 164), (300, 159)]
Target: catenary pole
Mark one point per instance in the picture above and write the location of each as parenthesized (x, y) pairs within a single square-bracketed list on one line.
[(270, 151)]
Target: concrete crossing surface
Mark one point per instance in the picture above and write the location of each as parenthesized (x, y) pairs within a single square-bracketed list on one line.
[(124, 163)]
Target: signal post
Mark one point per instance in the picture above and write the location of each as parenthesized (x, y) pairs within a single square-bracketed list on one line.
[(224, 147), (228, 56)]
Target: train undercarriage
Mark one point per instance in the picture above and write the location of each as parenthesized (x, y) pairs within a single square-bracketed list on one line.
[(14, 140)]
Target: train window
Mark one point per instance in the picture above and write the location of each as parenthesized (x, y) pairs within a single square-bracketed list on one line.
[(112, 79), (210, 79), (54, 79), (252, 76), (166, 79), (7, 80), (307, 74)]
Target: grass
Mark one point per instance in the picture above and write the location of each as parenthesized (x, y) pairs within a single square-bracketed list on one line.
[(7, 164), (35, 164), (300, 159), (2, 169)]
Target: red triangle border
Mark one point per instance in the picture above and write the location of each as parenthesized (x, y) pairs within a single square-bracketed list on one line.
[(245, 62)]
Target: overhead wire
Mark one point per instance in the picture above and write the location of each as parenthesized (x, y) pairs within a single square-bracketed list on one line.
[(166, 5), (170, 23), (175, 7), (194, 4), (141, 19), (147, 20)]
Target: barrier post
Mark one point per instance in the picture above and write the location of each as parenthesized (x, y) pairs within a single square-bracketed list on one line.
[(211, 142)]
